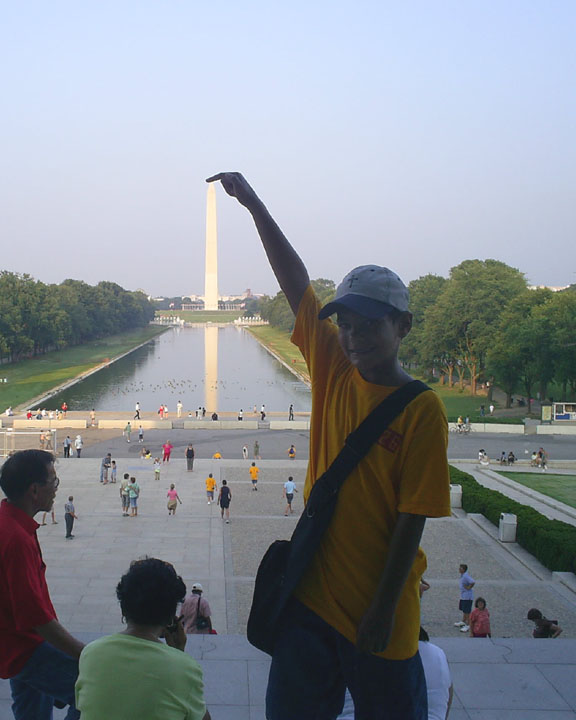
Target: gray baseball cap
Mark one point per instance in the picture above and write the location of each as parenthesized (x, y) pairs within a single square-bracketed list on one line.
[(371, 291)]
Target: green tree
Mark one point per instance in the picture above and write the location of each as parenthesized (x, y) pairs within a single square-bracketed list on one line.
[(424, 293), (470, 306)]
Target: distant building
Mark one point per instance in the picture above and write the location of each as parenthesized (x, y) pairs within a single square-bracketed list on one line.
[(556, 288)]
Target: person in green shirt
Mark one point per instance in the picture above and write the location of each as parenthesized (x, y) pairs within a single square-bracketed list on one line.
[(133, 674), (133, 494)]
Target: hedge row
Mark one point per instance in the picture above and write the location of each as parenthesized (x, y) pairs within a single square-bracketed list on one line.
[(552, 542)]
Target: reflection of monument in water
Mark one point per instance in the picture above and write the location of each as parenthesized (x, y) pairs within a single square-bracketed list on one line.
[(211, 368), (211, 303)]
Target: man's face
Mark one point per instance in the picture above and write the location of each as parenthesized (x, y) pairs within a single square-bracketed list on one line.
[(371, 345), (461, 570), (45, 494)]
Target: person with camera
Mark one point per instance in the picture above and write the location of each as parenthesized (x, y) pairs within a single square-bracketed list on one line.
[(134, 674), (196, 613)]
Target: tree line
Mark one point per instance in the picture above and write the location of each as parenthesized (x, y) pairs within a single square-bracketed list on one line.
[(36, 318), (481, 324)]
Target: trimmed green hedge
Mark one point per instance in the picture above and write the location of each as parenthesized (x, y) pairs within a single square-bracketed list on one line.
[(552, 542)]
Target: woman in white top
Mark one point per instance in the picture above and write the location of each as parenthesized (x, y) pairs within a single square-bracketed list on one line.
[(438, 682)]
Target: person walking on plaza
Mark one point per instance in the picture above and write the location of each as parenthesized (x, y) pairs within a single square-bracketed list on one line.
[(210, 487), (224, 500), (67, 445), (466, 598), (173, 500), (104, 467), (69, 516), (140, 434), (254, 471), (125, 494), (190, 457), (244, 452), (356, 612), (179, 407), (156, 466), (54, 521), (166, 450), (39, 656), (134, 493), (64, 408), (240, 415), (291, 412), (257, 450), (92, 418), (128, 432), (288, 493), (196, 613), (113, 472), (137, 411), (480, 620), (78, 444)]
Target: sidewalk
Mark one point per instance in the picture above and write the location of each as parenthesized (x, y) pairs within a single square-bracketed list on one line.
[(511, 677)]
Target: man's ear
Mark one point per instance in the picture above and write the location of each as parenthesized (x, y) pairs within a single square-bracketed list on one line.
[(404, 324)]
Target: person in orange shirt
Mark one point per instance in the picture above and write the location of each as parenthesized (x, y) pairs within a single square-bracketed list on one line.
[(210, 487), (254, 471), (357, 608)]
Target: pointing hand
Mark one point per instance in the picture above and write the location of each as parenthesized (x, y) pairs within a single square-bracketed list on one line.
[(236, 185)]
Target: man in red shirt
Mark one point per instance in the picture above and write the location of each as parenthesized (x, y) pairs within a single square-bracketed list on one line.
[(38, 655)]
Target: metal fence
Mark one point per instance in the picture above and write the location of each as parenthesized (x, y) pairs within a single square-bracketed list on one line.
[(12, 440)]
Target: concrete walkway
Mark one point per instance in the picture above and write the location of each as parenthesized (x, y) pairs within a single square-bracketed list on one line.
[(510, 676)]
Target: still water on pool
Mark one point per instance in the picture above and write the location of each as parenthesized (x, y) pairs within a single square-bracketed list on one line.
[(219, 368)]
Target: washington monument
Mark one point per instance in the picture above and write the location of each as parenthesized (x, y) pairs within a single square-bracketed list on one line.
[(211, 280)]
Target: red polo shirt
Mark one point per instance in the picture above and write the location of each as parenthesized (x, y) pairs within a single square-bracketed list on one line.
[(24, 598)]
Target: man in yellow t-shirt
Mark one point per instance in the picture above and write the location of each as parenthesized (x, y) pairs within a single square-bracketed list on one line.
[(210, 487), (356, 609), (253, 470)]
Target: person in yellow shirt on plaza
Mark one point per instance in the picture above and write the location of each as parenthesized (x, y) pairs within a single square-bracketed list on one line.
[(217, 456), (356, 609), (210, 487), (254, 472)]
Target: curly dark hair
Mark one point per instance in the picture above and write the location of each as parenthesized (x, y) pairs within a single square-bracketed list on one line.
[(150, 591), (23, 469)]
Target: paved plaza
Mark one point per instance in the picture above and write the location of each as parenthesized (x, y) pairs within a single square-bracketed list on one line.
[(509, 676)]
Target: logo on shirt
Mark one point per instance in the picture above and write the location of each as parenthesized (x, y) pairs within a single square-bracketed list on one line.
[(390, 440)]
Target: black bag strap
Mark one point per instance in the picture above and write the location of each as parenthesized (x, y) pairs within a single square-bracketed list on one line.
[(359, 441)]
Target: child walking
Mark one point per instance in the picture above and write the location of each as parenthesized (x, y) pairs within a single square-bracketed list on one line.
[(173, 500), (156, 468), (480, 620), (113, 472)]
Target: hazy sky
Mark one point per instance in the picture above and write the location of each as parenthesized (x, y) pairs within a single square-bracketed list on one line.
[(408, 134)]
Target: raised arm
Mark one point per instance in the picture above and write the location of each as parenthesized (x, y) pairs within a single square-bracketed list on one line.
[(289, 269)]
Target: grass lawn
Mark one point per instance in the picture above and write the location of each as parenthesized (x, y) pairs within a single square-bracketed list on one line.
[(559, 487), (202, 316), (30, 378), (462, 403), (279, 342)]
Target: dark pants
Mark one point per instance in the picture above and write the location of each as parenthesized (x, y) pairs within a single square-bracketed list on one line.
[(49, 674), (310, 685), (189, 464), (66, 450), (69, 523)]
